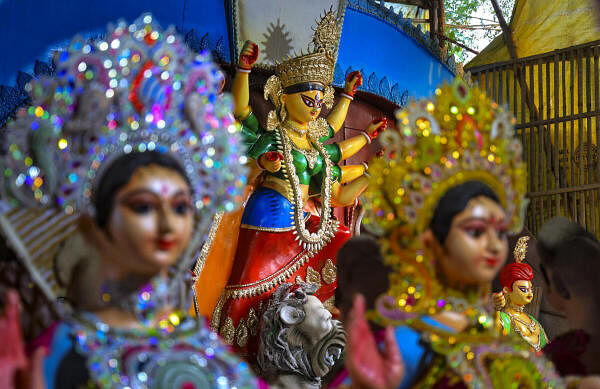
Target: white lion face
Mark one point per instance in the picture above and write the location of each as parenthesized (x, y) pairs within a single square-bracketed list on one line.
[(317, 322)]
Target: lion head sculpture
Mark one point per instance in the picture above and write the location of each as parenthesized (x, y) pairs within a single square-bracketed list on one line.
[(298, 338)]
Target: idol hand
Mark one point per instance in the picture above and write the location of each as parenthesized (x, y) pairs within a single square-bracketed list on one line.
[(16, 371), (499, 300), (249, 55), (376, 127), (368, 367), (353, 81), (270, 161)]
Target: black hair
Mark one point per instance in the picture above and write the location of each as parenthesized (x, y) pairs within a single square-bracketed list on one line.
[(360, 269), (118, 175), (454, 202), (303, 87)]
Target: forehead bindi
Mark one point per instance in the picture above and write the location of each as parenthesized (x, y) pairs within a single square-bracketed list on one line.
[(165, 186), (485, 209), (160, 181)]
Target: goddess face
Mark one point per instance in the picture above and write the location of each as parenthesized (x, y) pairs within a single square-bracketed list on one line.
[(303, 107), (151, 222), (476, 246), (317, 322), (521, 294)]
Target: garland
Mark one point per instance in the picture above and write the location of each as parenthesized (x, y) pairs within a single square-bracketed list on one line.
[(311, 241)]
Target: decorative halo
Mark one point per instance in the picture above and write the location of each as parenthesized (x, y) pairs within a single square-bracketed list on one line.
[(140, 89)]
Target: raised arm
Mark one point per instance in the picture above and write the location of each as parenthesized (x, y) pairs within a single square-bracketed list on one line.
[(338, 114), (241, 87), (351, 146)]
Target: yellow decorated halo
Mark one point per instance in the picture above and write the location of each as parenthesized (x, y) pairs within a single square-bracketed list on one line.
[(457, 136)]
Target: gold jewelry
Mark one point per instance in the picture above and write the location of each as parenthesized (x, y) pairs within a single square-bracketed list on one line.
[(288, 125), (328, 96), (530, 326), (311, 241), (272, 92), (311, 155), (516, 307), (521, 249)]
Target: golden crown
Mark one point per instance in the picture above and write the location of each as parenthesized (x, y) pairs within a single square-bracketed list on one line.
[(319, 63), (458, 136)]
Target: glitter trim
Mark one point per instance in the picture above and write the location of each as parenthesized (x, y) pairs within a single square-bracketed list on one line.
[(201, 261)]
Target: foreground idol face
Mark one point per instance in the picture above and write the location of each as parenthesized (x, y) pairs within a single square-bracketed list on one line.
[(476, 246), (304, 107), (152, 219)]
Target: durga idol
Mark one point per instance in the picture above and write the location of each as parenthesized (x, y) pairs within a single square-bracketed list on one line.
[(287, 232)]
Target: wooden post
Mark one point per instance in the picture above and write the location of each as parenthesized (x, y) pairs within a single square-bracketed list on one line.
[(433, 19)]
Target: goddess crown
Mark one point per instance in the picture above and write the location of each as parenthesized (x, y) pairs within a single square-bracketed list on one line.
[(319, 63)]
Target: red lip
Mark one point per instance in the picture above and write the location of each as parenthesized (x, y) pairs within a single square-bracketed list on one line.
[(491, 262), (164, 244)]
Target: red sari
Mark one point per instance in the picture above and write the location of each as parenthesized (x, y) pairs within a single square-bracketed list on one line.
[(264, 260)]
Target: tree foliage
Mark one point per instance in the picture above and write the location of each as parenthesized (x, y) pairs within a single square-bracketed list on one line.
[(469, 21)]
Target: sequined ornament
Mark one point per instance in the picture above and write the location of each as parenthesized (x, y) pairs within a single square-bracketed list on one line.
[(458, 136), (139, 89), (180, 354)]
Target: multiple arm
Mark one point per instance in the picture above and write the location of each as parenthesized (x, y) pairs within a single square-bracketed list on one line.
[(338, 114), (241, 87), (351, 146)]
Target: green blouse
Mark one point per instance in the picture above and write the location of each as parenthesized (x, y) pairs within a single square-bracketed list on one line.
[(506, 324), (259, 141)]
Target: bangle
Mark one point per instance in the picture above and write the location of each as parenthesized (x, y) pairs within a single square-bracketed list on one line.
[(366, 165), (242, 70), (258, 163), (346, 95), (366, 136)]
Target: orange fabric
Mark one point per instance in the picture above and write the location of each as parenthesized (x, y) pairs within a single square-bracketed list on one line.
[(219, 260), (218, 263)]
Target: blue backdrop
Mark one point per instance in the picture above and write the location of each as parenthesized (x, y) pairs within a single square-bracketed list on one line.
[(397, 60)]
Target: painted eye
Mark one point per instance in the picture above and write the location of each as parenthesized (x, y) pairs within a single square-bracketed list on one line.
[(181, 208), (141, 208), (308, 101), (475, 232), (502, 234)]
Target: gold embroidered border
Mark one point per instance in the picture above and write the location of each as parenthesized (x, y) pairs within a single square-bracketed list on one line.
[(255, 288), (207, 245), (216, 316), (313, 277)]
